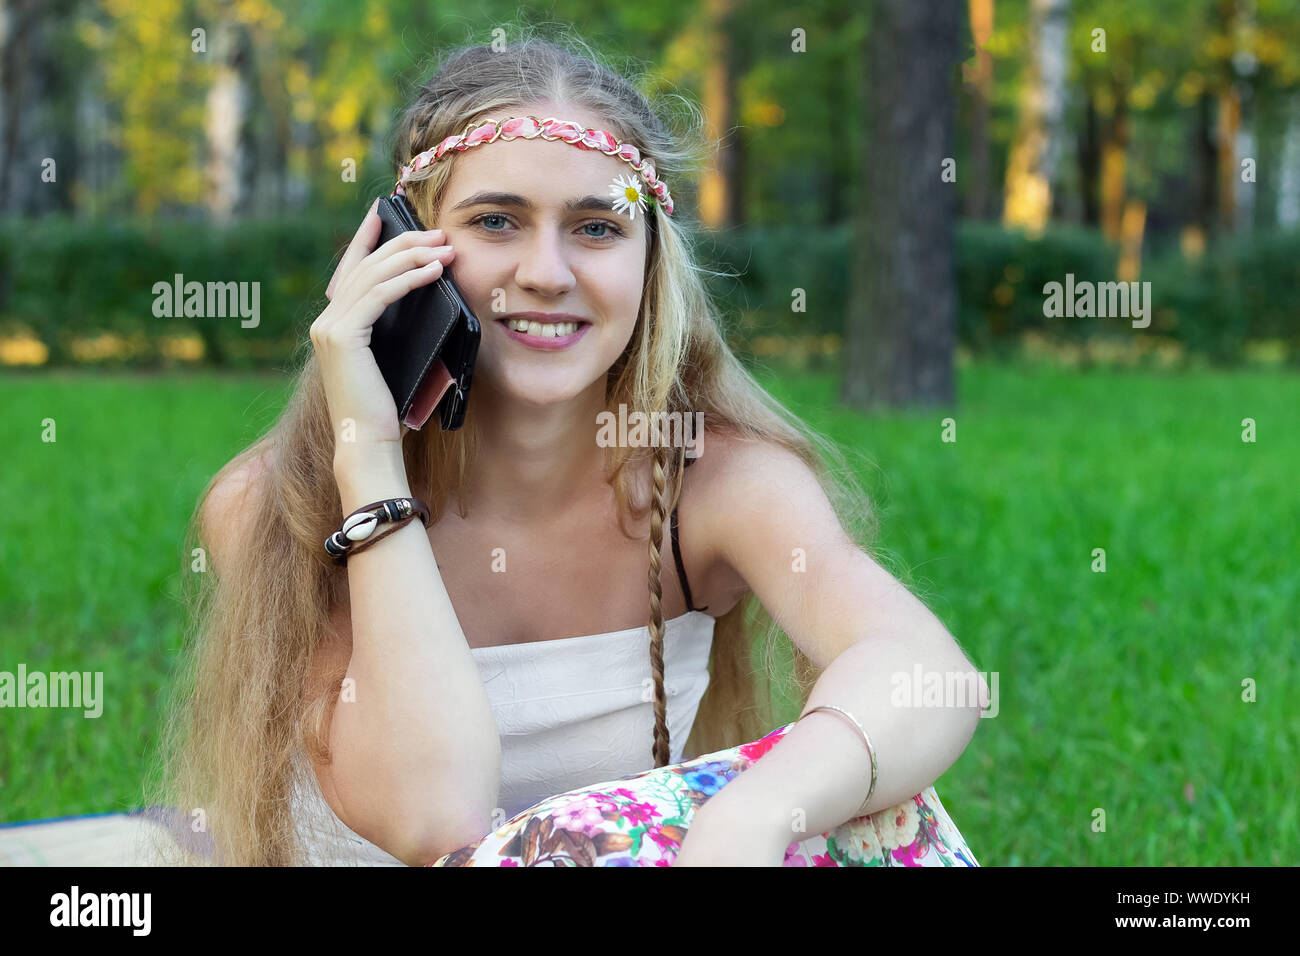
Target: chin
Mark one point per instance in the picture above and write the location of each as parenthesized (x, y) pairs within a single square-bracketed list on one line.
[(521, 386)]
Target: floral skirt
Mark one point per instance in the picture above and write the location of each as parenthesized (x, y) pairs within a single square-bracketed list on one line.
[(642, 819)]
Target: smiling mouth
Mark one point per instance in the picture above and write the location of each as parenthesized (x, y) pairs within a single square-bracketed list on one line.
[(545, 330)]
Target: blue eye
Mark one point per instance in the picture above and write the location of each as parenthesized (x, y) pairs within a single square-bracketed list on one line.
[(607, 225), (489, 215), (617, 232)]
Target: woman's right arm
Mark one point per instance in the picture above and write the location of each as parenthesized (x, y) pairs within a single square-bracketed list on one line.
[(416, 756)]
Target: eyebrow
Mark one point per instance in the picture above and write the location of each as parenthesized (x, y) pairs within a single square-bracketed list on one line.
[(513, 199)]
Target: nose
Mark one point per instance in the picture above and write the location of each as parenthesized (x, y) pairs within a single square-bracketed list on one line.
[(543, 265)]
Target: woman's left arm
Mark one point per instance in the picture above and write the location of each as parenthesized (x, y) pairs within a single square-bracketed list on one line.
[(886, 659)]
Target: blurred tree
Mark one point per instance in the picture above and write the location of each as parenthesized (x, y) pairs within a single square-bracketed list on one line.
[(795, 73), (37, 105), (718, 183), (979, 78), (902, 322), (1035, 154), (232, 170)]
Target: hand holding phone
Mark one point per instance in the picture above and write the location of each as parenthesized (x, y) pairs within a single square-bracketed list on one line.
[(369, 277), (426, 343)]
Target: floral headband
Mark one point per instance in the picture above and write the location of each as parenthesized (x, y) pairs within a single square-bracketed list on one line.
[(628, 192)]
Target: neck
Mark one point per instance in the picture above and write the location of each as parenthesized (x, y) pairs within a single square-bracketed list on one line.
[(534, 462)]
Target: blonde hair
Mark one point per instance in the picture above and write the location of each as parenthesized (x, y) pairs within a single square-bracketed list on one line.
[(238, 720)]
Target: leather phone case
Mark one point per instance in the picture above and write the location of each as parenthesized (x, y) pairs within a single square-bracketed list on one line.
[(425, 343)]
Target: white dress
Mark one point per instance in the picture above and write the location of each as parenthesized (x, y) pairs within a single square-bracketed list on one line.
[(571, 713)]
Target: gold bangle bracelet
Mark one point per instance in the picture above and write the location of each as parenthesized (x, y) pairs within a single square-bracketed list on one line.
[(871, 751)]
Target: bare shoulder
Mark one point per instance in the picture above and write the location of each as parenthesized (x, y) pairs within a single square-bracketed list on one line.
[(731, 470), (730, 485), (226, 502), (224, 516)]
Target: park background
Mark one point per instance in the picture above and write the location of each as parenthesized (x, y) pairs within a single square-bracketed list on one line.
[(891, 187)]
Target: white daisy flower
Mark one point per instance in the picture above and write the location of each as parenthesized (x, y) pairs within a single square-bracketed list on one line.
[(628, 196)]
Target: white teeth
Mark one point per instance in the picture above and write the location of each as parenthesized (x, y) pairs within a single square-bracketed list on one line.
[(548, 331)]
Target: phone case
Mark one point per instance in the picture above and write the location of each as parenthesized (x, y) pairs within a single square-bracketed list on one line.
[(425, 343)]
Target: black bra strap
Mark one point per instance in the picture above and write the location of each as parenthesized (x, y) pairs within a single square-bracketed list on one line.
[(677, 556)]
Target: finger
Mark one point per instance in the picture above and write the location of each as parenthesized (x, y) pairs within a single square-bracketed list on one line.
[(388, 292), (364, 240), (373, 284), (362, 278), (407, 252)]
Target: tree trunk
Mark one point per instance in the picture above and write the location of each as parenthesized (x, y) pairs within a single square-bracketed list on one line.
[(1206, 152), (1245, 71), (980, 86), (31, 97), (1114, 162), (1226, 132), (717, 185), (902, 324), (230, 154), (1089, 150), (1035, 154)]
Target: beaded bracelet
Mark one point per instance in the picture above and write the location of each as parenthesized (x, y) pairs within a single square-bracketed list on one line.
[(871, 751), (358, 527)]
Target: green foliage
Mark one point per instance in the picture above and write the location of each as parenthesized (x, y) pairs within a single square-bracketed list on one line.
[(1001, 274), (105, 275), (769, 264), (1244, 289)]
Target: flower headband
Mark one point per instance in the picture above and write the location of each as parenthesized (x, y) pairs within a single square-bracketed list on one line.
[(530, 127)]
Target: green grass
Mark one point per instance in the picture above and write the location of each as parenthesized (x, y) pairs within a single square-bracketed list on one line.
[(1119, 691)]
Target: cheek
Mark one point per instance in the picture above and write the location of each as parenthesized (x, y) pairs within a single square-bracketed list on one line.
[(477, 275), (624, 280)]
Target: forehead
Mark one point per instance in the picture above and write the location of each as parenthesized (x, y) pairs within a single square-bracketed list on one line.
[(549, 173)]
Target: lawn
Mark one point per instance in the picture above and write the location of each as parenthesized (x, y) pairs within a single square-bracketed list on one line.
[(1120, 693)]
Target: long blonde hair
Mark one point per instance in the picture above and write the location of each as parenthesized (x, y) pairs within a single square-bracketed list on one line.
[(238, 717)]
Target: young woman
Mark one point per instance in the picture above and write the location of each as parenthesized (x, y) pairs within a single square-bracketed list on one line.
[(457, 672)]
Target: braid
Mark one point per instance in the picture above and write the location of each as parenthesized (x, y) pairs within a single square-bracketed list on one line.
[(657, 513)]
